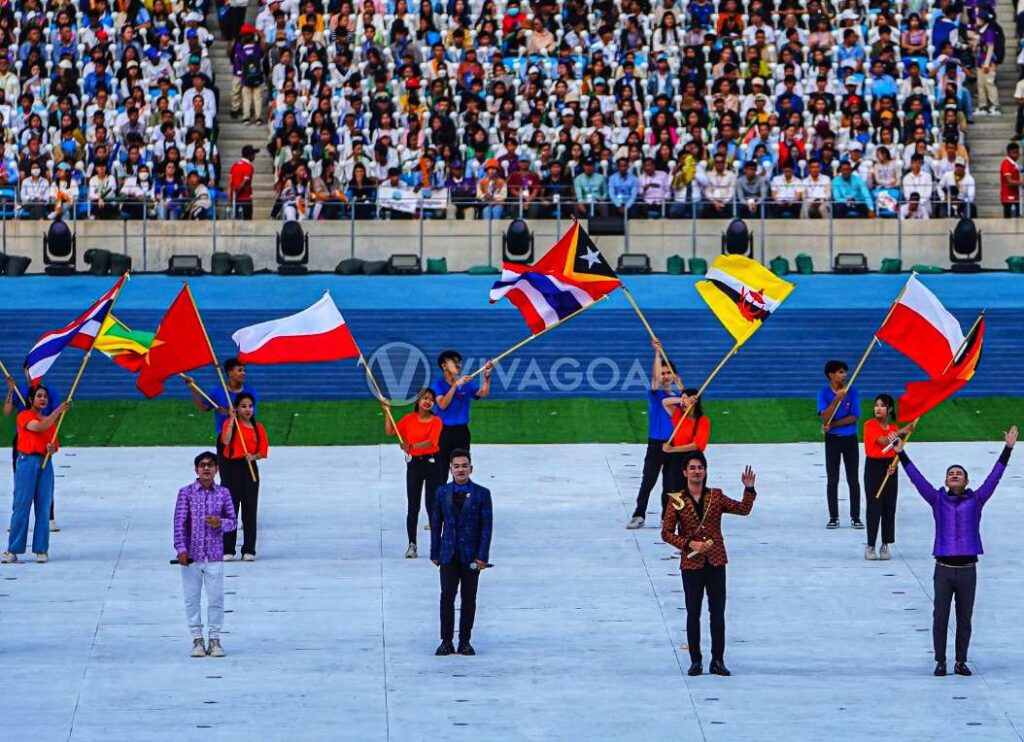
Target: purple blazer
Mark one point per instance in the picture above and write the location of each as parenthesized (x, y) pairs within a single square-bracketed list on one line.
[(957, 517)]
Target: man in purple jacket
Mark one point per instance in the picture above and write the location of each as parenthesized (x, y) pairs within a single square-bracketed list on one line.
[(957, 512), (203, 514)]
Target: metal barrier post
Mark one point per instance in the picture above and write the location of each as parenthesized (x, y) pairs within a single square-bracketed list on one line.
[(899, 230), (831, 232), (145, 229), (215, 226), (419, 213), (763, 223), (490, 238), (352, 229), (625, 230), (693, 229)]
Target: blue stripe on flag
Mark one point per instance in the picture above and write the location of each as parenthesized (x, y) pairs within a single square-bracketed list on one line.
[(562, 301)]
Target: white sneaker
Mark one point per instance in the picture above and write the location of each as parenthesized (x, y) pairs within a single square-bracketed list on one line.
[(869, 553), (42, 558), (410, 553), (994, 112), (248, 557), (198, 650), (981, 112), (8, 558), (635, 522), (229, 557), (884, 553), (54, 528), (215, 650)]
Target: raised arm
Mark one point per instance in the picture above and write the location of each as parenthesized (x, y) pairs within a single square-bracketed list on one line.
[(922, 485), (988, 487), (744, 506)]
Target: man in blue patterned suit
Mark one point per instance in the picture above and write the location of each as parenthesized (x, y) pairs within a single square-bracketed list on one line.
[(460, 541)]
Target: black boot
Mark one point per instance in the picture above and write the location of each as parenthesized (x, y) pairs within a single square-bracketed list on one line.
[(718, 668), (696, 668), (961, 668), (444, 649), (940, 670), (466, 649)]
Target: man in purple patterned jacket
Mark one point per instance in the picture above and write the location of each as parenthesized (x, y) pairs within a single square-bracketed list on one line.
[(957, 512), (203, 514)]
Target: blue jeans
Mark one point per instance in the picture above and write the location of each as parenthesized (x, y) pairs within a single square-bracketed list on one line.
[(965, 101), (33, 485), (493, 211)]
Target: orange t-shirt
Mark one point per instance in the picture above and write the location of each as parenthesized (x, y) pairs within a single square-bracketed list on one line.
[(413, 430), (235, 450), (691, 431), (30, 442), (872, 431)]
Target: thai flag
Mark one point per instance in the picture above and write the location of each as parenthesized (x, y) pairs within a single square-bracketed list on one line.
[(79, 334)]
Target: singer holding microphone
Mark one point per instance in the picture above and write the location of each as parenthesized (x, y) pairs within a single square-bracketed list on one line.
[(695, 528), (460, 542)]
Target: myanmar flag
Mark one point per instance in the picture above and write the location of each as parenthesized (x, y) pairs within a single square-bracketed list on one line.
[(742, 293), (124, 346)]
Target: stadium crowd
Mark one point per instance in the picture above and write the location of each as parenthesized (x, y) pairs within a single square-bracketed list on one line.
[(786, 108)]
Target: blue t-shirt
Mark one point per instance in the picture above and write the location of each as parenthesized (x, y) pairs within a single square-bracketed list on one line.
[(457, 412), (659, 423), (849, 406), (217, 395)]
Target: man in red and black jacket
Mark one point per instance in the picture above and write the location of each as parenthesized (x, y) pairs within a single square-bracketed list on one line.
[(693, 524)]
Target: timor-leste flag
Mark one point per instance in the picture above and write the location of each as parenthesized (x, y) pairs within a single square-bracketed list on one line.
[(923, 396), (570, 276), (180, 344), (742, 293), (124, 346)]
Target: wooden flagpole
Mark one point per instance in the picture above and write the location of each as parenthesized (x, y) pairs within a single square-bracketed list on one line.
[(380, 394), (223, 383), (198, 390), (81, 369), (530, 339), (650, 331), (686, 412), (895, 462), (7, 375)]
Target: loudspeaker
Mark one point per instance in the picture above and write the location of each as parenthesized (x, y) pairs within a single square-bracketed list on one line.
[(633, 263), (404, 265), (185, 265), (850, 262), (611, 225)]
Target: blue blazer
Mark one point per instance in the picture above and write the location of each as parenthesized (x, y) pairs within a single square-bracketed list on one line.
[(466, 536)]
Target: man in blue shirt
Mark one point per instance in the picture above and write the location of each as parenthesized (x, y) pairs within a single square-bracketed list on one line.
[(839, 410), (235, 371), (850, 195), (454, 393), (659, 430), (623, 187), (14, 403)]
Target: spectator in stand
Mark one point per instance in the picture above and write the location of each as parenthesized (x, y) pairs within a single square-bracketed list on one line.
[(240, 184), (914, 208), (102, 193), (751, 192), (591, 189), (850, 195), (199, 203), (461, 189), (136, 193), (655, 189), (1010, 182), (558, 190), (988, 93), (1018, 93), (35, 192), (719, 189), (328, 194), (787, 192), (918, 181), (524, 189), (623, 189), (247, 68), (169, 192), (956, 189), (491, 192)]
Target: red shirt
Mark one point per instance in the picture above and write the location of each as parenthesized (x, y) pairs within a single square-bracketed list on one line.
[(31, 442), (1008, 193), (239, 172), (413, 430), (235, 450), (697, 432), (872, 432)]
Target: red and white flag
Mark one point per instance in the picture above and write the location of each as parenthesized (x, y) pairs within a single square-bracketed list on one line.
[(314, 335), (922, 329)]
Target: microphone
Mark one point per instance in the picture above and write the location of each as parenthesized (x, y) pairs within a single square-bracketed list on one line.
[(692, 554), (892, 443), (473, 566)]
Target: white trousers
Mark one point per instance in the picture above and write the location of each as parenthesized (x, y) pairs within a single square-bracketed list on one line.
[(192, 579)]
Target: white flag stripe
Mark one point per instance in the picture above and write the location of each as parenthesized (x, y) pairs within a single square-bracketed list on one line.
[(738, 286), (519, 282), (540, 304), (321, 317), (918, 298)]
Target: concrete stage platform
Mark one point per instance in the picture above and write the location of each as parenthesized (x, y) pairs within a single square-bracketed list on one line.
[(580, 628)]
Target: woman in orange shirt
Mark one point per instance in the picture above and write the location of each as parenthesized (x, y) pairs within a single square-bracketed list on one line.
[(240, 428), (33, 483), (420, 436), (692, 435), (879, 432)]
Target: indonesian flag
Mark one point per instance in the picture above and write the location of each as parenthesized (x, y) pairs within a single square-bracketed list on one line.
[(923, 330), (314, 335)]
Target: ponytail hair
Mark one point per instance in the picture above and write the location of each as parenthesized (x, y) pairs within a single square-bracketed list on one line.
[(240, 397)]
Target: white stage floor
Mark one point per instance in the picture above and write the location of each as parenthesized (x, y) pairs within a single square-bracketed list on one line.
[(580, 626)]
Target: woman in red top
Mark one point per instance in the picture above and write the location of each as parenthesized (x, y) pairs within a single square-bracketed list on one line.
[(420, 436), (692, 434), (240, 428), (33, 483), (879, 432)]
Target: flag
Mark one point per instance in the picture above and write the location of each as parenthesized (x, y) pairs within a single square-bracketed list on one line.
[(742, 293), (180, 344), (124, 346), (923, 396), (570, 276), (315, 334), (79, 334), (922, 329)]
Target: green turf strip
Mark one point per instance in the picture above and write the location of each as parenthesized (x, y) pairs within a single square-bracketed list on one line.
[(177, 423)]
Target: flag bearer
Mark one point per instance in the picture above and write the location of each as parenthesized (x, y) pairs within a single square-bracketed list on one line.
[(454, 393), (880, 432), (235, 371), (236, 475), (839, 409)]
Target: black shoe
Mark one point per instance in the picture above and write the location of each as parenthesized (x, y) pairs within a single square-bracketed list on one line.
[(466, 649), (855, 522), (445, 649), (718, 668), (832, 523), (696, 668), (940, 670), (961, 668)]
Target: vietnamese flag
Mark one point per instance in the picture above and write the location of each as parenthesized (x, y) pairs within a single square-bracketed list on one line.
[(314, 335), (180, 344)]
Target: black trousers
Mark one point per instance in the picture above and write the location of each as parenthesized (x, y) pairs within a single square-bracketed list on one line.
[(452, 437), (245, 494), (880, 509), (842, 447), (235, 19), (420, 472), (14, 468), (697, 582), (457, 577), (656, 462), (949, 582)]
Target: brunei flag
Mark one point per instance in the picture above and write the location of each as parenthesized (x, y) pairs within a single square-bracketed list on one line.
[(124, 346), (923, 396), (569, 277), (742, 293)]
